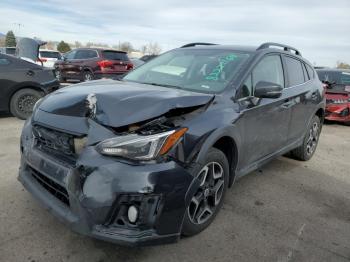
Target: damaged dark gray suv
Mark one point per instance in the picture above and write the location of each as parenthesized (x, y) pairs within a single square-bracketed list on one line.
[(149, 158)]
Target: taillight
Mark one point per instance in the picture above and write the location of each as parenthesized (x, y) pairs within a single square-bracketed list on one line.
[(105, 63), (129, 66)]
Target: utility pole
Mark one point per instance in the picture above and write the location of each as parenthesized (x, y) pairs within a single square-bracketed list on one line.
[(19, 27)]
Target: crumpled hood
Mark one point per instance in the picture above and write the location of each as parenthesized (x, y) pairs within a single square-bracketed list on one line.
[(29, 48), (120, 103)]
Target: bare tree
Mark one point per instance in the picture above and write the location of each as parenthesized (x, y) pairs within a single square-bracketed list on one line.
[(154, 48), (126, 47), (343, 65), (77, 44)]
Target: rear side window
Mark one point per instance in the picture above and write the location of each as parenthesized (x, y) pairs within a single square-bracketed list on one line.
[(310, 71), (114, 55), (295, 71), (306, 75), (86, 54)]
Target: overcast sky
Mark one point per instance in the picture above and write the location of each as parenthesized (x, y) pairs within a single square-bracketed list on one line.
[(320, 29)]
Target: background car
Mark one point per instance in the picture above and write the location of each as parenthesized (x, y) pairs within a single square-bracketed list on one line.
[(22, 84), (47, 58), (8, 50), (337, 83), (85, 64)]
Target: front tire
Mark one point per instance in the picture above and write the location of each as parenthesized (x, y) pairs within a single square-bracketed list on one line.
[(23, 101), (59, 76), (208, 199), (310, 142)]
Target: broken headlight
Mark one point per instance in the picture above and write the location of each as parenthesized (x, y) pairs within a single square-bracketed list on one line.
[(140, 147)]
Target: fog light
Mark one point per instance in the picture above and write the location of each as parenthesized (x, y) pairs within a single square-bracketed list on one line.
[(132, 214)]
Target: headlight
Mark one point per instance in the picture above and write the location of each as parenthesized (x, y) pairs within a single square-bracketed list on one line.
[(140, 147)]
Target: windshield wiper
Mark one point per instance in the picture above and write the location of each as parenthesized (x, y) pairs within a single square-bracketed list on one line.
[(164, 85)]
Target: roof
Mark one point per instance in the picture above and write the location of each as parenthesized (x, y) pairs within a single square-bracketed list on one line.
[(99, 48)]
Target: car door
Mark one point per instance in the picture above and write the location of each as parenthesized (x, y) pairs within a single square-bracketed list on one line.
[(302, 93), (264, 121)]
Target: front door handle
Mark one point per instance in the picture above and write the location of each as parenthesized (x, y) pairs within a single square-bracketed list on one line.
[(30, 73), (287, 103)]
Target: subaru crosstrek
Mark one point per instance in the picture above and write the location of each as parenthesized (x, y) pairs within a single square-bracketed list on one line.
[(149, 158)]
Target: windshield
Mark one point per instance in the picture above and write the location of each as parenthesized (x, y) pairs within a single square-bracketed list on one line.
[(113, 55), (207, 71), (340, 80)]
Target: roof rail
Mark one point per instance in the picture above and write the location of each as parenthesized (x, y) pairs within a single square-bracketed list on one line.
[(285, 47), (195, 44)]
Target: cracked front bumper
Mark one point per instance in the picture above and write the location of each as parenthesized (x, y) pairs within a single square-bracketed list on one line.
[(91, 196)]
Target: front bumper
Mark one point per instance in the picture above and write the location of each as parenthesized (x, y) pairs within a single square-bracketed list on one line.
[(335, 112), (91, 196)]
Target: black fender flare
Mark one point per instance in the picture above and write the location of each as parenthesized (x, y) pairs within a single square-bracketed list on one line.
[(230, 132)]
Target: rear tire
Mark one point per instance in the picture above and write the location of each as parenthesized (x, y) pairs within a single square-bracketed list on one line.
[(208, 199), (23, 101), (310, 142), (88, 76)]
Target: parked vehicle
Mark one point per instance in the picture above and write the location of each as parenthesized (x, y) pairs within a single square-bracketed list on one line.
[(47, 58), (22, 84), (149, 158), (8, 50), (85, 64), (337, 83)]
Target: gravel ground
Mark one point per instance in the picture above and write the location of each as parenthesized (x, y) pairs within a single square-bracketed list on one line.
[(287, 211)]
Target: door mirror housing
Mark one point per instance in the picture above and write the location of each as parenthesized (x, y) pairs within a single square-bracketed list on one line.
[(267, 90)]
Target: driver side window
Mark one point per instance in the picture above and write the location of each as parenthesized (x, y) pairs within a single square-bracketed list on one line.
[(269, 69)]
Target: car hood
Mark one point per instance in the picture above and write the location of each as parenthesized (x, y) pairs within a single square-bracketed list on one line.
[(117, 103)]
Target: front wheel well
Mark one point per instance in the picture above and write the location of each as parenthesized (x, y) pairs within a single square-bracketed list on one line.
[(228, 146), (320, 114)]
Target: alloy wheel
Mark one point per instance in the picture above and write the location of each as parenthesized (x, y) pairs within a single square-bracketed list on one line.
[(209, 193), (26, 103), (88, 76), (312, 140)]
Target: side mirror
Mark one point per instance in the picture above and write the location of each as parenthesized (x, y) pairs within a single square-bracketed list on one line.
[(267, 90)]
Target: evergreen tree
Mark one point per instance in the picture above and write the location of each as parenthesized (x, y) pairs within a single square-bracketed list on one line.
[(10, 40), (63, 47)]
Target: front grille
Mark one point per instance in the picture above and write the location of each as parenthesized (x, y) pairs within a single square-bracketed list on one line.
[(51, 186), (54, 142)]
